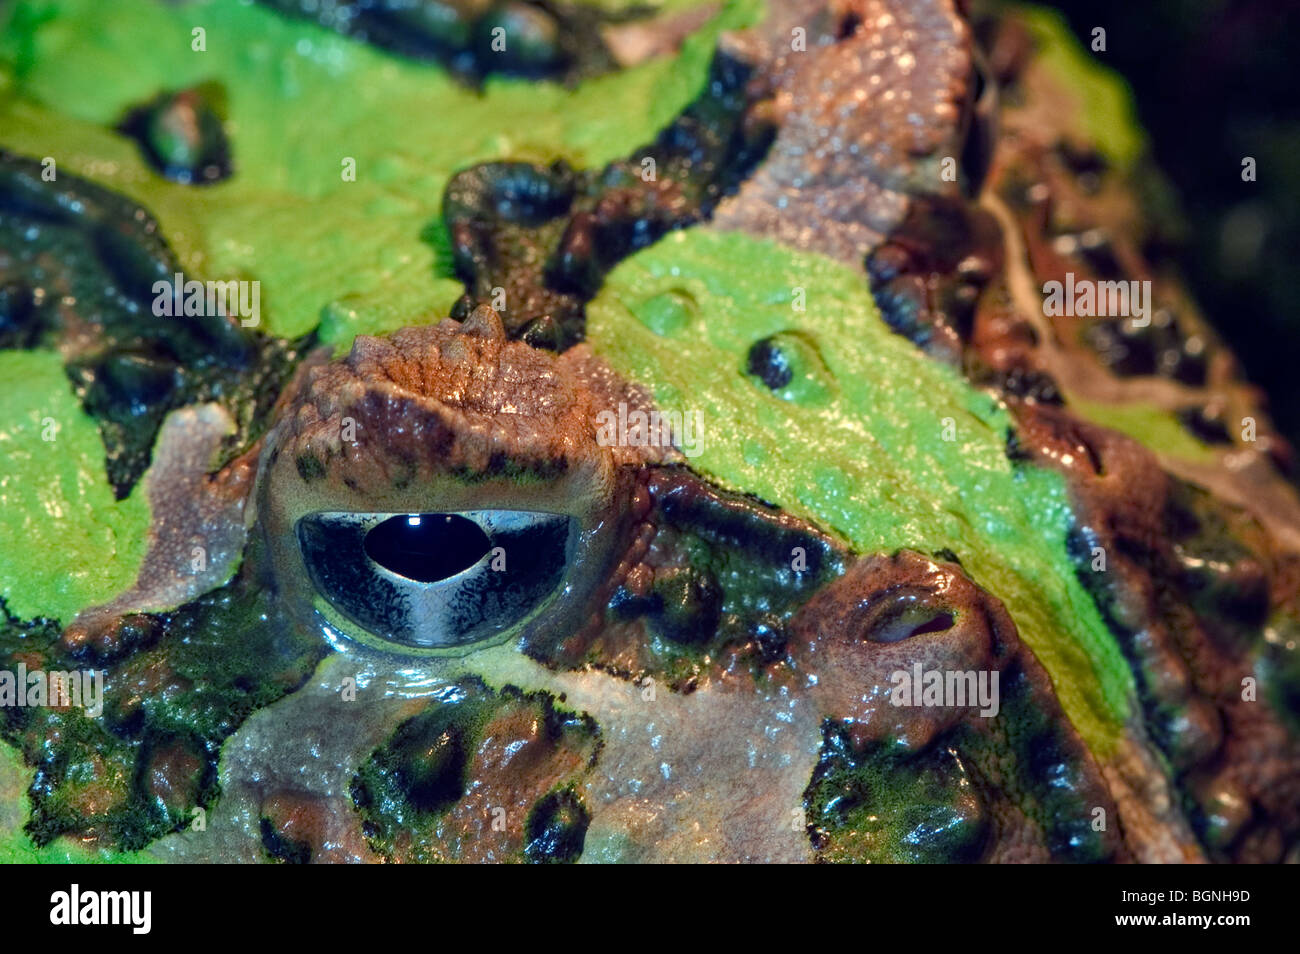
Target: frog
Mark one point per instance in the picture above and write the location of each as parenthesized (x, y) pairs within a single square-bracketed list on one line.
[(408, 597)]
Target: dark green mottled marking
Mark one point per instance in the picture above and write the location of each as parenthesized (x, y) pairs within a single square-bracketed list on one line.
[(1045, 779), (734, 579), (547, 236), (309, 467), (882, 806), (98, 256), (557, 828), (405, 789), (187, 678)]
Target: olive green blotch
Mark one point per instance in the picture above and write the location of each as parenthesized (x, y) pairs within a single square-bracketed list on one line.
[(310, 467), (1104, 102)]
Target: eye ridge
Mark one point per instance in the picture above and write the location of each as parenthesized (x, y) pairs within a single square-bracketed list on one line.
[(428, 547)]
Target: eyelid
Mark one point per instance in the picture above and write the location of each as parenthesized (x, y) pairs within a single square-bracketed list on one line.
[(470, 606)]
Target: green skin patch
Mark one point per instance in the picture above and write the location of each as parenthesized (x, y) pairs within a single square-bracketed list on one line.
[(1152, 426), (857, 441), (55, 500), (351, 256)]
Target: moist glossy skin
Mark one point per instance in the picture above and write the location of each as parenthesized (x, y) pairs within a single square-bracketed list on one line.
[(708, 678)]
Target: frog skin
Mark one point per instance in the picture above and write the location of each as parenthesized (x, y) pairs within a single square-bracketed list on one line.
[(641, 605), (689, 673)]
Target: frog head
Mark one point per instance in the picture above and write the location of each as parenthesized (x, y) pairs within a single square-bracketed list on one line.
[(894, 611)]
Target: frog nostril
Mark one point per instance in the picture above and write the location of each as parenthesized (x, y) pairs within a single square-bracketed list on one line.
[(427, 547)]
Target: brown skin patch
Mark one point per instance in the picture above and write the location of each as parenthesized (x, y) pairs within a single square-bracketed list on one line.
[(173, 775), (887, 614), (465, 398), (1186, 586), (515, 764), (196, 536), (856, 632), (307, 828), (866, 112)]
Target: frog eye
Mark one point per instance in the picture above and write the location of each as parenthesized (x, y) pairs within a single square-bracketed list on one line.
[(435, 580)]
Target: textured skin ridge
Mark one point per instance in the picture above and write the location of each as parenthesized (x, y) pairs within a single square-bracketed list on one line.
[(445, 397), (866, 114)]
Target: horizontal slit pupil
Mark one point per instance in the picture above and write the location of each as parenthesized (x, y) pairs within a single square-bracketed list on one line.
[(427, 547)]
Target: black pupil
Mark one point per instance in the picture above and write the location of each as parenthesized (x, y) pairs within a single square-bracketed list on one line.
[(427, 547)]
